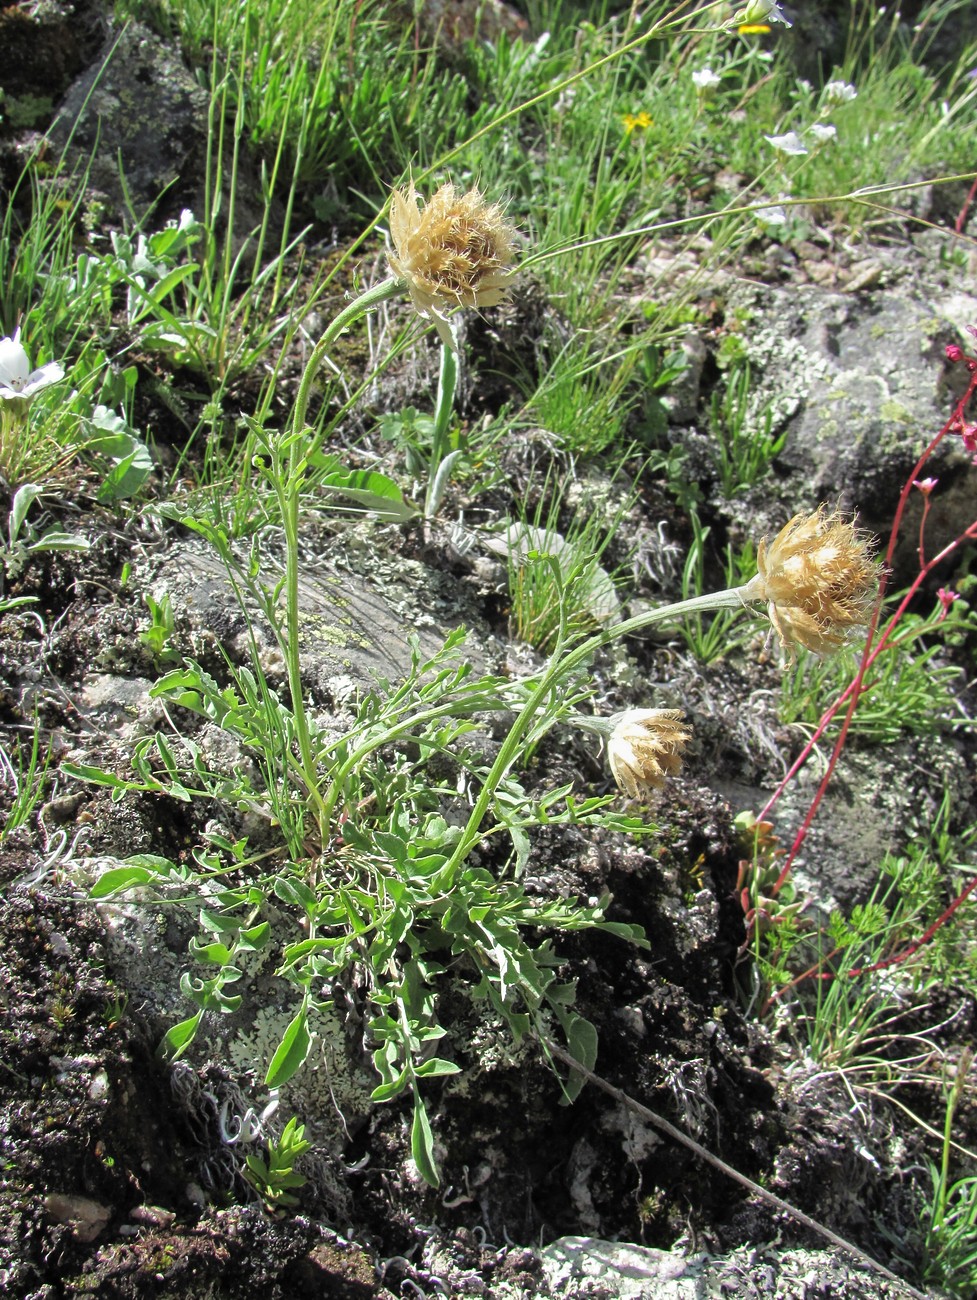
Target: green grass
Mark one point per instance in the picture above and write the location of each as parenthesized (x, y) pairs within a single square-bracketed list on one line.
[(558, 578), (911, 689)]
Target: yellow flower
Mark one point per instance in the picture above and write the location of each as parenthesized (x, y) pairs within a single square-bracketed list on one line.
[(818, 579), (645, 747), (454, 252), (632, 122), (753, 29)]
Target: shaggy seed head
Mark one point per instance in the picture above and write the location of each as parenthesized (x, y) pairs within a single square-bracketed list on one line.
[(818, 579), (454, 252), (645, 747)]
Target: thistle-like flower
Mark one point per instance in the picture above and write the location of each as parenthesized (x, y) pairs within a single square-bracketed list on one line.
[(818, 580), (18, 383), (646, 746), (456, 251)]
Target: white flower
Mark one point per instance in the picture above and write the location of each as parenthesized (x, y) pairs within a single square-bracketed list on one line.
[(790, 143), (840, 92), (762, 11), (705, 80), (771, 216), (822, 133), (17, 380)]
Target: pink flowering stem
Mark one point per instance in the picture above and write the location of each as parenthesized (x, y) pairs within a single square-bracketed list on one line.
[(852, 692)]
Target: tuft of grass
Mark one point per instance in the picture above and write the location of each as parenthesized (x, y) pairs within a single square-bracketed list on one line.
[(23, 774), (710, 637), (556, 580), (911, 689)]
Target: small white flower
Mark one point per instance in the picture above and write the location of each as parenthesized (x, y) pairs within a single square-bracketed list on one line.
[(771, 216), (822, 133), (791, 143), (762, 11), (705, 80), (17, 380), (840, 92)]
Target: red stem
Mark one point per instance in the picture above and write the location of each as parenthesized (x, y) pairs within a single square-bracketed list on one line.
[(961, 220), (922, 529), (815, 972), (854, 687), (852, 692)]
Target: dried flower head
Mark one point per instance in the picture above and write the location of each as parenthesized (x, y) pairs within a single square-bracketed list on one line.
[(818, 579), (645, 747), (456, 251)]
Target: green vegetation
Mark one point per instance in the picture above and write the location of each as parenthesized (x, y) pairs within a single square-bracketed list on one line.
[(218, 374)]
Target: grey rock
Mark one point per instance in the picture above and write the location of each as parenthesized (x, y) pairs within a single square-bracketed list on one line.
[(859, 381), (577, 1267), (351, 628), (43, 47), (117, 703), (142, 110)]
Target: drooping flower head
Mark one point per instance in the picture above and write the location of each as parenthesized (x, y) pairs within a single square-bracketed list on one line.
[(646, 746), (818, 580), (455, 251), (17, 381)]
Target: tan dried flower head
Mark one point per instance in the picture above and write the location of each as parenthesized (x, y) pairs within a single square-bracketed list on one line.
[(645, 747), (454, 252), (818, 579)]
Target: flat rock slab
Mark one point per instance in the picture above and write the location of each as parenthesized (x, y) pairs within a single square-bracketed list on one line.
[(350, 629)]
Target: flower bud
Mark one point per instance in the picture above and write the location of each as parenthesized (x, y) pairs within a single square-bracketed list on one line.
[(760, 11)]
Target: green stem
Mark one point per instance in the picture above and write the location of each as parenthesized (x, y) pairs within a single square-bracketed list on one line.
[(447, 383), (299, 451), (559, 668), (453, 708)]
